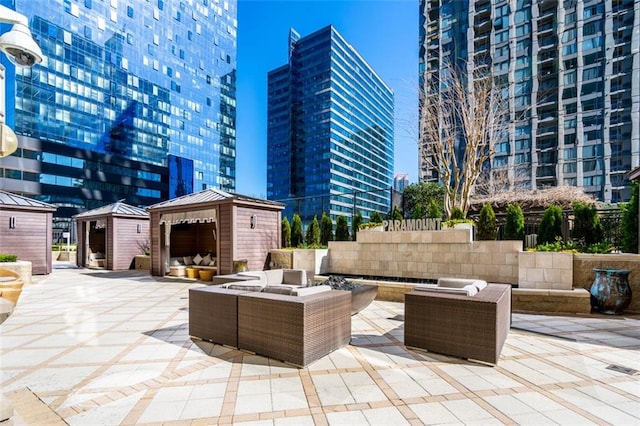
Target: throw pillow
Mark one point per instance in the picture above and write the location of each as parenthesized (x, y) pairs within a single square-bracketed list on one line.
[(188, 260), (206, 261), (197, 259), (213, 262)]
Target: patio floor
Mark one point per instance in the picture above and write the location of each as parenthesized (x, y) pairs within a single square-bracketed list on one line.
[(90, 347)]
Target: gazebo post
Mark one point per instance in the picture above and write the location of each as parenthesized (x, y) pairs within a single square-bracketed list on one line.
[(167, 247)]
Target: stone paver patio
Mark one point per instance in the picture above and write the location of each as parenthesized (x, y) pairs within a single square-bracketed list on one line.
[(86, 347)]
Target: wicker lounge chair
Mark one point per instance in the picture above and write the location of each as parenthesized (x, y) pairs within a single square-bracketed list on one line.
[(213, 314), (473, 327)]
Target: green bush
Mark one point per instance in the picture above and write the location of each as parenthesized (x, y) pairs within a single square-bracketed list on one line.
[(457, 214), (417, 212), (356, 221), (376, 217), (587, 229), (313, 233), (573, 247), (486, 227), (296, 231), (326, 230), (286, 233), (629, 223), (342, 229), (4, 257), (396, 214), (433, 210), (514, 226), (550, 227)]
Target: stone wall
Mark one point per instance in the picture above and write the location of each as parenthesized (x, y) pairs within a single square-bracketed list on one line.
[(426, 254), (583, 274), (546, 270)]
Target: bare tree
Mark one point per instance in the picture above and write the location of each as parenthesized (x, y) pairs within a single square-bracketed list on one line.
[(462, 118)]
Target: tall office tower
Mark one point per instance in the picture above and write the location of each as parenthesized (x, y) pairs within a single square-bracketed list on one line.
[(571, 72), (134, 100), (330, 130), (400, 182)]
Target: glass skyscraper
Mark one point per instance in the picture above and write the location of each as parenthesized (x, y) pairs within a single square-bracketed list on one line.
[(134, 100), (571, 72), (330, 130)]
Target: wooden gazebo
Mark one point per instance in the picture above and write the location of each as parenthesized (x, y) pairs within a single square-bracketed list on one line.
[(112, 236), (224, 226), (25, 230)]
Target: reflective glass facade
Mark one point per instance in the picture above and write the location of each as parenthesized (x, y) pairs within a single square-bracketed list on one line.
[(571, 72), (138, 82), (330, 130)]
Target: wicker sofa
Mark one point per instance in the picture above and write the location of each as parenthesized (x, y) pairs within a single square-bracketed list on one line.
[(297, 328), (457, 320)]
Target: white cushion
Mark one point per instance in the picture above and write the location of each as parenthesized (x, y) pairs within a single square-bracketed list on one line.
[(274, 276), (197, 259), (213, 261), (469, 290), (461, 283), (206, 261), (188, 260), (305, 291), (176, 261), (257, 275)]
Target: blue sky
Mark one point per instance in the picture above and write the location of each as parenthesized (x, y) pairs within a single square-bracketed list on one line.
[(384, 32)]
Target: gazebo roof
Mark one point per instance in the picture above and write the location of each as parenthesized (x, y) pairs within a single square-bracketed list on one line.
[(15, 201), (118, 209), (212, 195)]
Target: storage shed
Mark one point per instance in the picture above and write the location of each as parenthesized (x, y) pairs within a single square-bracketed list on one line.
[(112, 236), (224, 226), (25, 230)]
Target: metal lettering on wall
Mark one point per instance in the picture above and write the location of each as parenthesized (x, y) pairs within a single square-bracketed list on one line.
[(412, 225)]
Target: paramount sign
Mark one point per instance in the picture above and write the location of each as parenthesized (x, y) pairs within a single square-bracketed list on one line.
[(412, 225)]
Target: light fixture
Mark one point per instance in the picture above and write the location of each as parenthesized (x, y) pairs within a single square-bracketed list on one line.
[(23, 51), (254, 221), (18, 43), (8, 141)]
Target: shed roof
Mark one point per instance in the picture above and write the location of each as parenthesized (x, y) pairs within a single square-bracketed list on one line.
[(118, 209), (15, 201), (212, 195)]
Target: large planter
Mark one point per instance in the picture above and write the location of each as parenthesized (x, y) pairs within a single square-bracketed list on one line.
[(610, 291)]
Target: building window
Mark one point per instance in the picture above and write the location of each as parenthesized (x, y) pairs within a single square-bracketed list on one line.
[(129, 11)]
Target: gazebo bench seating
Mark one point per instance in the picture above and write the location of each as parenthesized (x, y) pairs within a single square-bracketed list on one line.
[(447, 320), (97, 259), (296, 328), (197, 261)]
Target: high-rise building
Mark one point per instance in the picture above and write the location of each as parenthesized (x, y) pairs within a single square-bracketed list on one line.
[(134, 100), (400, 182), (571, 72), (330, 130)]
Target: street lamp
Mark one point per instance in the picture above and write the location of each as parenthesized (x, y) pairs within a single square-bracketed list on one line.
[(23, 51)]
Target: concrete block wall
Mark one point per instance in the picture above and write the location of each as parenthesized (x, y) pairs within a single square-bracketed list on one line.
[(546, 270), (426, 254)]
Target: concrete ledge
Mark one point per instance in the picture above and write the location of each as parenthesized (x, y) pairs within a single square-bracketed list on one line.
[(576, 301)]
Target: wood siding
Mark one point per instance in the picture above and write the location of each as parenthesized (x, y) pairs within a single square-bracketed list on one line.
[(30, 240), (157, 250), (127, 243), (225, 239), (254, 244)]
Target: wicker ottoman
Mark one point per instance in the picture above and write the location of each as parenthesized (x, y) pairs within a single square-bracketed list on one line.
[(294, 329), (472, 327)]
